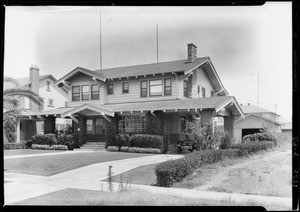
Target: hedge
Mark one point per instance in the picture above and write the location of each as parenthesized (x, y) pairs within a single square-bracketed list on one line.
[(146, 141), (113, 148), (47, 147), (67, 140), (133, 149), (44, 139), (8, 146), (263, 136), (172, 171)]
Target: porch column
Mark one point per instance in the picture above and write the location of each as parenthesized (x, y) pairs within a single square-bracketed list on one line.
[(18, 131), (49, 124), (228, 124)]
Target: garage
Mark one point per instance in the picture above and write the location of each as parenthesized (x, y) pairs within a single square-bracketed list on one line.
[(250, 131)]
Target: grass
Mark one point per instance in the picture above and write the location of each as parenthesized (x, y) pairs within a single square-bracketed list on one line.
[(143, 175), (135, 197), (13, 152), (53, 164)]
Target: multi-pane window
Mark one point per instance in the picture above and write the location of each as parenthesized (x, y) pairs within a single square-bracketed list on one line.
[(75, 93), (155, 88), (203, 92), (187, 87), (143, 88), (50, 103), (41, 107), (212, 94), (183, 123), (85, 92), (125, 87), (94, 126), (110, 88), (134, 123), (48, 86), (95, 92), (168, 87)]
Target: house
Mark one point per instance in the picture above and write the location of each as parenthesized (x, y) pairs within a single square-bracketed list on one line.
[(256, 118), (53, 96), (286, 128), (128, 94)]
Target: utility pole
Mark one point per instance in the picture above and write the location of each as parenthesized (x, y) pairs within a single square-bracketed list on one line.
[(157, 42), (257, 90), (100, 45)]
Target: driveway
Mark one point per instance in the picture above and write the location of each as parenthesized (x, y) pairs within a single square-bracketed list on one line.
[(20, 186)]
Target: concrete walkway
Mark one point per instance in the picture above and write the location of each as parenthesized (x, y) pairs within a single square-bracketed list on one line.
[(23, 186)]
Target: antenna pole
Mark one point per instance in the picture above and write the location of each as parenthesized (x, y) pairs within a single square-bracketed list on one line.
[(100, 45), (157, 42)]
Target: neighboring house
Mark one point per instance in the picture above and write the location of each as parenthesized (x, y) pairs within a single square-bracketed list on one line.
[(53, 96), (286, 128), (256, 118), (176, 88)]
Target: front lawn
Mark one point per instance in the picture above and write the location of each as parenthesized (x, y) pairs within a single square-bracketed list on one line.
[(13, 152), (53, 164)]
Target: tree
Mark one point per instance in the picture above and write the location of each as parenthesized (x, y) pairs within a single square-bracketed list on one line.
[(12, 107)]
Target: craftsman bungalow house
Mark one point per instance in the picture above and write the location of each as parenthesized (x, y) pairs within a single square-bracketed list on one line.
[(176, 88)]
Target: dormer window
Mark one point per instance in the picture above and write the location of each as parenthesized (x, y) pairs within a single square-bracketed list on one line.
[(203, 92), (48, 86), (85, 92), (110, 88), (95, 92)]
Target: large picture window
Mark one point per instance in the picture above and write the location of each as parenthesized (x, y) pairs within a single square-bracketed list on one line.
[(156, 88), (134, 123), (85, 92), (75, 93), (168, 86), (143, 88), (95, 92)]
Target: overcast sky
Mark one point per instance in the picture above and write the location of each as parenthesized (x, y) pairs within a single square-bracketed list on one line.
[(240, 41)]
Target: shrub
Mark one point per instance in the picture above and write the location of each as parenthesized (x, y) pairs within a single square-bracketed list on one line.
[(67, 140), (175, 170), (39, 146), (226, 141), (28, 143), (124, 149), (44, 139), (146, 141), (123, 140), (7, 146), (166, 143), (262, 136), (113, 148), (250, 147), (58, 147), (144, 150)]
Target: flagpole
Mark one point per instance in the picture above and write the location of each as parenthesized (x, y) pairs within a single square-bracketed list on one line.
[(100, 45), (157, 42)]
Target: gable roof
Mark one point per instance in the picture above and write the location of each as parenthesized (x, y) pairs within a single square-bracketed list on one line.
[(153, 68), (26, 80), (254, 109), (259, 116)]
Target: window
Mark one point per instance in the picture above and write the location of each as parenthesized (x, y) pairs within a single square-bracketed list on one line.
[(21, 126), (125, 87), (94, 126), (66, 103), (187, 87), (95, 92), (144, 89), (155, 88), (41, 107), (50, 103), (110, 88), (134, 123), (203, 92), (212, 94), (198, 90), (48, 86), (75, 93), (168, 87), (85, 92), (183, 123)]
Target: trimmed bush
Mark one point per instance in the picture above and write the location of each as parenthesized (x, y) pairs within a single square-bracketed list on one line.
[(146, 141), (250, 147), (113, 148), (166, 143), (47, 147), (124, 149), (44, 139), (226, 141), (123, 140), (39, 146), (144, 150), (58, 147), (263, 136), (67, 140), (8, 146)]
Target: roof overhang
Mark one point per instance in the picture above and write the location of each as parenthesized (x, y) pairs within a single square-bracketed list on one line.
[(261, 117), (97, 109), (233, 106), (83, 71)]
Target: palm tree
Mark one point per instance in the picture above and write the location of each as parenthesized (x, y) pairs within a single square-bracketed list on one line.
[(12, 107)]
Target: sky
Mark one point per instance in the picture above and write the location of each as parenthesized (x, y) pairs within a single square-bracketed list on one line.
[(250, 47)]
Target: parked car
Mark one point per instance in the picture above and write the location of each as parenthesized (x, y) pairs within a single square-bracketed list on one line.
[(186, 145)]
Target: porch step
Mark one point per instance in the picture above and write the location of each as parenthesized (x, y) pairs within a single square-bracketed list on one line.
[(94, 146)]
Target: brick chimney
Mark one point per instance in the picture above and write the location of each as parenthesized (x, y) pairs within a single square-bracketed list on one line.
[(192, 52), (34, 85)]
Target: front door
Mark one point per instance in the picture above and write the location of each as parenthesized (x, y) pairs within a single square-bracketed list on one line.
[(95, 129)]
